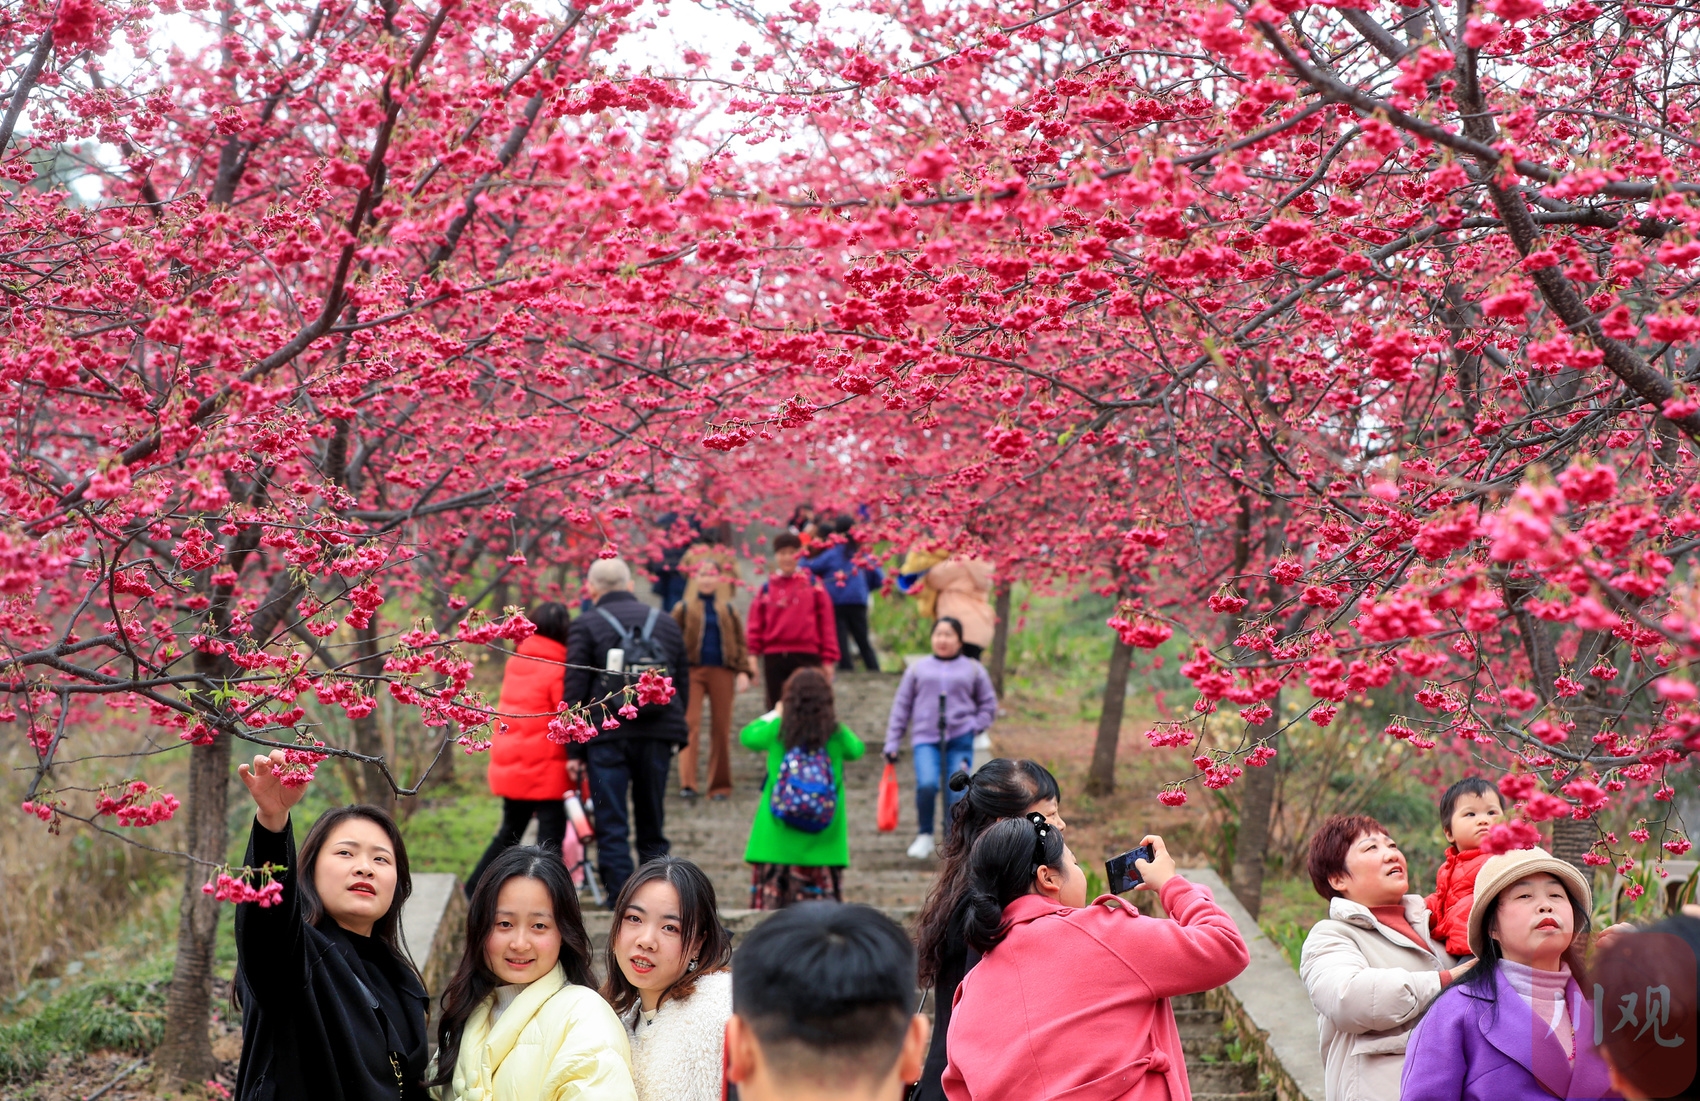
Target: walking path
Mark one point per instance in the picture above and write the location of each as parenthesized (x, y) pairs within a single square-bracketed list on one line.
[(880, 874)]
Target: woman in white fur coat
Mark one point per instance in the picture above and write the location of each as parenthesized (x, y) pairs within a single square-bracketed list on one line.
[(668, 980)]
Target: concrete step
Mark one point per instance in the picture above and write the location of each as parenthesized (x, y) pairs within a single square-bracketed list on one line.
[(1222, 1078), (1198, 1022)]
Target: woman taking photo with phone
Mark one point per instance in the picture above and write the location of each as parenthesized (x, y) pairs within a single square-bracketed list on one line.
[(331, 1008), (999, 789), (1043, 947), (522, 1020), (668, 980)]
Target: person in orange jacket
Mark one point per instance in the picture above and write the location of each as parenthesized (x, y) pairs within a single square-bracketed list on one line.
[(528, 770), (1468, 810)]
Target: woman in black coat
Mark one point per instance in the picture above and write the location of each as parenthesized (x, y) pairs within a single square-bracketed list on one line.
[(332, 1010)]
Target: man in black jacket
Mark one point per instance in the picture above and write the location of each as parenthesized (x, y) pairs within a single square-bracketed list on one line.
[(638, 753)]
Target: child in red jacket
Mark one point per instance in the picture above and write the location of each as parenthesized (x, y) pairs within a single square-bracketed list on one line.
[(1468, 810)]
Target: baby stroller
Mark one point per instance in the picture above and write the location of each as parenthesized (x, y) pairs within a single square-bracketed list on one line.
[(581, 833)]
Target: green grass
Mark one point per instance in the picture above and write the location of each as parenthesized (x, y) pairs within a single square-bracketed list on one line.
[(1290, 907), (107, 1014)]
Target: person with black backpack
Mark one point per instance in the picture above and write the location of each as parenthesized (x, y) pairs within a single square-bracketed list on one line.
[(800, 842), (625, 638)]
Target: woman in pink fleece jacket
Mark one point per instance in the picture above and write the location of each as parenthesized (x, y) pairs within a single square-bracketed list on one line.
[(1070, 1000)]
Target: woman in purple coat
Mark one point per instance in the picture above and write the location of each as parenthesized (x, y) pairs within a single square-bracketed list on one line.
[(942, 703), (1518, 1028)]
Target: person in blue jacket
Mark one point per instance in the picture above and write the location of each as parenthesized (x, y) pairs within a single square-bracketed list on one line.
[(849, 584)]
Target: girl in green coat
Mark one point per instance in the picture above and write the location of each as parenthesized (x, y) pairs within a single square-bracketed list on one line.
[(792, 864)]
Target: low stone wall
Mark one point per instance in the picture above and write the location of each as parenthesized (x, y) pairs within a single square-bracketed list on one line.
[(433, 923), (1268, 1005)]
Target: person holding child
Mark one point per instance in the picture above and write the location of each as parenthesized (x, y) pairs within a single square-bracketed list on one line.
[(1468, 810), (667, 979), (1371, 967), (522, 1020), (1520, 1027), (800, 841)]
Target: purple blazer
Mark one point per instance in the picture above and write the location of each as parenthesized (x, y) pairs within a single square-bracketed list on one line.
[(1467, 1048)]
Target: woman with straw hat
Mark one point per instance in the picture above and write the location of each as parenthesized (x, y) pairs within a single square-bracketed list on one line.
[(1518, 1028)]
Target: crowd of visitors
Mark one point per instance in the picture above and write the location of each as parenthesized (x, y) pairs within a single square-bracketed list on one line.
[(1482, 991)]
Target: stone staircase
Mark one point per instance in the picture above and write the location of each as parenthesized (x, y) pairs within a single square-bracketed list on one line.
[(1211, 1068)]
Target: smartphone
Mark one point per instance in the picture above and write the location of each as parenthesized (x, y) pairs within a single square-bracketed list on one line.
[(1120, 873)]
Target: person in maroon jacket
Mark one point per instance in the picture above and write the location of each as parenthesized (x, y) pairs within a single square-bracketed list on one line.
[(791, 621)]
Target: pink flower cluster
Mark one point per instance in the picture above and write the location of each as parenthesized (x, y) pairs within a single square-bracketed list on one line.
[(653, 688), (236, 888), (1511, 836), (299, 765), (570, 725), (130, 811)]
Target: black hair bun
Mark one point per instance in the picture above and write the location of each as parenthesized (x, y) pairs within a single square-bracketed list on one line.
[(959, 781)]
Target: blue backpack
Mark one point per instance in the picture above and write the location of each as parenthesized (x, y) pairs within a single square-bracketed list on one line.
[(805, 796)]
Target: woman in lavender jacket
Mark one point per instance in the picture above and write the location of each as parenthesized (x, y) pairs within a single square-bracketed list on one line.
[(1520, 1027), (943, 702)]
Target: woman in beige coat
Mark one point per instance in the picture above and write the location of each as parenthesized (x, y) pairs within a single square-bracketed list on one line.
[(961, 587), (1371, 968)]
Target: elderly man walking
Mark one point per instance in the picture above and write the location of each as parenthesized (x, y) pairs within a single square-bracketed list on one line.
[(634, 755)]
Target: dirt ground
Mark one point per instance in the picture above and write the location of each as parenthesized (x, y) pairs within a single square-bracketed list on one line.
[(1102, 827)]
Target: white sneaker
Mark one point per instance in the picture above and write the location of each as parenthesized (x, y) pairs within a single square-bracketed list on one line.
[(921, 847)]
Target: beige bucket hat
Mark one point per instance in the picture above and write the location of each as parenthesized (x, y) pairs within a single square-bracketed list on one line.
[(1504, 869)]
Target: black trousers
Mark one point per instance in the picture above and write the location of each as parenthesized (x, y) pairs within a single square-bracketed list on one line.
[(775, 668), (852, 620), (640, 765), (516, 815)]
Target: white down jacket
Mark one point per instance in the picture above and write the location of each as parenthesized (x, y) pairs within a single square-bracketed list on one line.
[(1369, 985)]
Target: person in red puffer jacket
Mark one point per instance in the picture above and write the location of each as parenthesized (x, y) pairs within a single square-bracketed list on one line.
[(791, 620), (1468, 810), (528, 770)]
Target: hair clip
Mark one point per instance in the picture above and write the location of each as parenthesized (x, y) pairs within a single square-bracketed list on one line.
[(1041, 830)]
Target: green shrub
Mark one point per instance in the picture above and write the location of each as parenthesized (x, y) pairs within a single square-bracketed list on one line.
[(109, 1015)]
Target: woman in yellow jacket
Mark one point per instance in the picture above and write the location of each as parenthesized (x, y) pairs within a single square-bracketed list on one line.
[(522, 1020)]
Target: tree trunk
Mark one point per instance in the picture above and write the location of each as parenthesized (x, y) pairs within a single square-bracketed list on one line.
[(1257, 802), (1102, 779), (1000, 639), (368, 739), (184, 1057)]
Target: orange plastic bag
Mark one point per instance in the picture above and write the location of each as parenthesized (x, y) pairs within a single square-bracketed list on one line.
[(886, 819)]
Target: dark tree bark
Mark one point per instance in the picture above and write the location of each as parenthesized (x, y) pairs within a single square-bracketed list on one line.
[(184, 1056), (1101, 780), (1000, 639), (368, 739), (1257, 805)]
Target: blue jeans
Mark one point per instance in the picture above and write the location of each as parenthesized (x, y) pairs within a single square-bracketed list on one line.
[(958, 754)]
